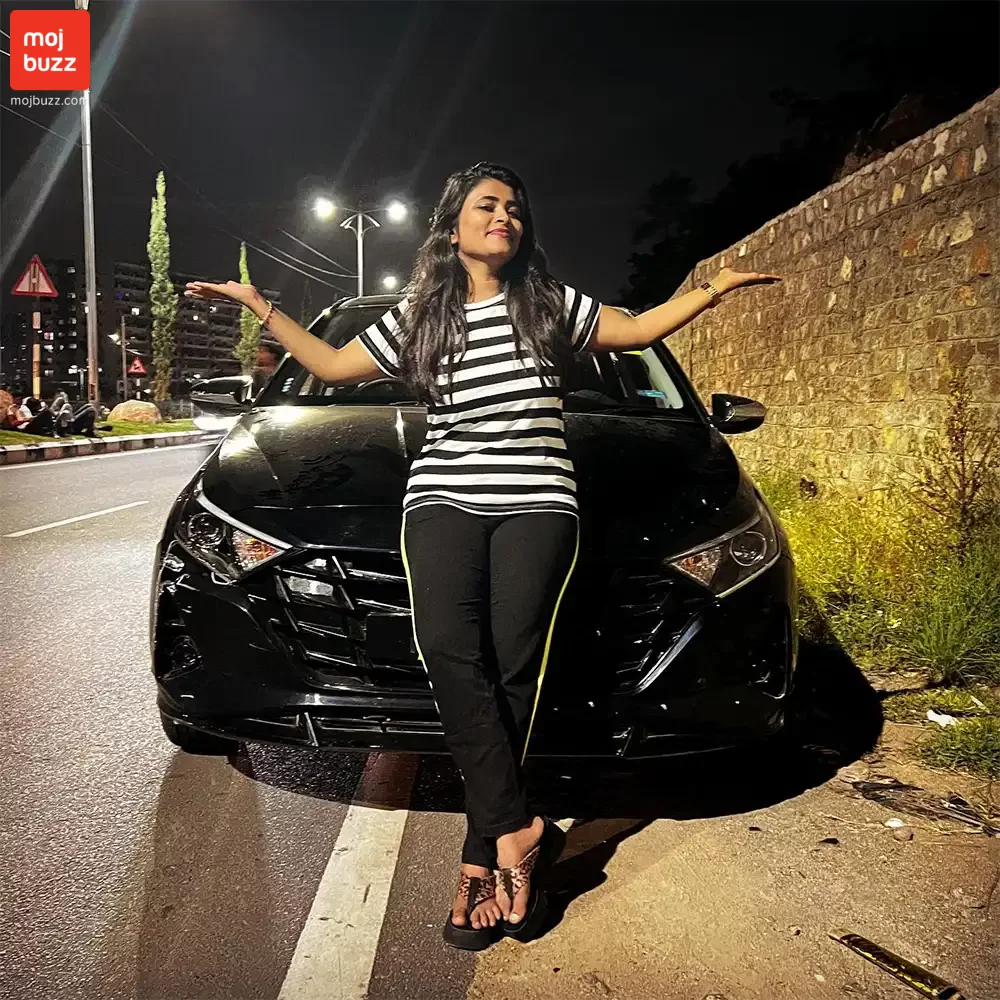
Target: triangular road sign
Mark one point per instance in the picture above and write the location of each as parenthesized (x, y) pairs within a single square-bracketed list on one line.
[(137, 367), (35, 280)]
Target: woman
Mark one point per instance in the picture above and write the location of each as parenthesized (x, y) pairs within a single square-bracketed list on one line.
[(490, 526), (69, 421), (32, 417)]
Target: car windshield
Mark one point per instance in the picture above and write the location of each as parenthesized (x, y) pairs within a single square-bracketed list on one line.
[(629, 380)]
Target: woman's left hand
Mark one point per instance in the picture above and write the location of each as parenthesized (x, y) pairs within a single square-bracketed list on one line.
[(728, 279)]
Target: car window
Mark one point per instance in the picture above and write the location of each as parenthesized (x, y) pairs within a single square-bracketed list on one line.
[(597, 380), (293, 384), (636, 379)]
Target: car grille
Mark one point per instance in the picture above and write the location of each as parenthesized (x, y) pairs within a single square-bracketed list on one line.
[(645, 613), (346, 617)]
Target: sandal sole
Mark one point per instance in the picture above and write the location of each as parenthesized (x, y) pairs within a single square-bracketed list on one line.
[(470, 938)]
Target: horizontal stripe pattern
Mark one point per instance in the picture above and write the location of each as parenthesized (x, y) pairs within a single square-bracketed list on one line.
[(496, 443)]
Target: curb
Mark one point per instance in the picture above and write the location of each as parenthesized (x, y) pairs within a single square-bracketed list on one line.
[(21, 454)]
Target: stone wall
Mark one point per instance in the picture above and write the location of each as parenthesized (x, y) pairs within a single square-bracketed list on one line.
[(889, 278)]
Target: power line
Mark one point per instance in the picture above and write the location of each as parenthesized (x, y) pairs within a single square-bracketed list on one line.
[(70, 139), (114, 117), (220, 229)]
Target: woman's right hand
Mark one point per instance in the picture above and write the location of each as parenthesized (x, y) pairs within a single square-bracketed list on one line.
[(234, 290)]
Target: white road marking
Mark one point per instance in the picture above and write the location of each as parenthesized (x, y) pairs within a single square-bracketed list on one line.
[(52, 463), (335, 953), (73, 520)]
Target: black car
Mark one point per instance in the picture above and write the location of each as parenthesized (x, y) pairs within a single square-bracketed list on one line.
[(279, 604)]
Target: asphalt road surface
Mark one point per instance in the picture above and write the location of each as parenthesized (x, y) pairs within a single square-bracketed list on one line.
[(129, 869)]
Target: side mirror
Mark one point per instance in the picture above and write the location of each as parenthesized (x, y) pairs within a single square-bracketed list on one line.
[(736, 414), (223, 396)]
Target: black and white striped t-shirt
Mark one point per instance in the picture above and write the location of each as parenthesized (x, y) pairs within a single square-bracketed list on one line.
[(496, 442)]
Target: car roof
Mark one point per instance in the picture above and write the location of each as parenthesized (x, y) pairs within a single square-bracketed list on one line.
[(366, 301)]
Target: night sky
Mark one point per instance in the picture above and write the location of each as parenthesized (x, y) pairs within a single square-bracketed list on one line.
[(260, 105)]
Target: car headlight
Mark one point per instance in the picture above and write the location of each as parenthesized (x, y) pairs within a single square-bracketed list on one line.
[(733, 559), (221, 543)]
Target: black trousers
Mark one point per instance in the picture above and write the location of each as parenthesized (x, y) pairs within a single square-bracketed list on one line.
[(485, 591)]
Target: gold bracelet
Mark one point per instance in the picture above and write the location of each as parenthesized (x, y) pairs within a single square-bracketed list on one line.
[(267, 315), (712, 291)]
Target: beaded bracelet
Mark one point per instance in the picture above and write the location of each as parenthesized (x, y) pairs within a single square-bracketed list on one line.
[(270, 309)]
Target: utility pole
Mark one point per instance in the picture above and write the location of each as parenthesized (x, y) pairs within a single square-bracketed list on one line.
[(93, 371), (124, 363)]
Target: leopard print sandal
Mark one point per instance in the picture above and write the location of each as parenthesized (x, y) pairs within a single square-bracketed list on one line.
[(533, 868), (475, 889)]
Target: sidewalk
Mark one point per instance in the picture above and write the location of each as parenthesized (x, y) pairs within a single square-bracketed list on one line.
[(16, 454)]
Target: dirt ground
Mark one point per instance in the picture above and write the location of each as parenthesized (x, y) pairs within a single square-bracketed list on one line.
[(731, 875)]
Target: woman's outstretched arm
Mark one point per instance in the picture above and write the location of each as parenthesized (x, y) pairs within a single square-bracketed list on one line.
[(350, 363), (618, 331)]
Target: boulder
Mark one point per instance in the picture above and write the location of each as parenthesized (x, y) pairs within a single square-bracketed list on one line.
[(136, 410)]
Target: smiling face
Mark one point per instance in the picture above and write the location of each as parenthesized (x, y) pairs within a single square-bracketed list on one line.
[(489, 226)]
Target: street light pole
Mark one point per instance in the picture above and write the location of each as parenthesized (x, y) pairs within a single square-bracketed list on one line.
[(124, 364), (361, 255), (356, 223), (93, 374)]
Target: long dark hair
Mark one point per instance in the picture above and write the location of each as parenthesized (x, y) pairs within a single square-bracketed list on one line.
[(433, 326)]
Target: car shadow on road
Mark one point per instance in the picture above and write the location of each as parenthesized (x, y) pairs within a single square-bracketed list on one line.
[(837, 719)]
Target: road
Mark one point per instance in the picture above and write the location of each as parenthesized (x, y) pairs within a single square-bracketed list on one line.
[(131, 870)]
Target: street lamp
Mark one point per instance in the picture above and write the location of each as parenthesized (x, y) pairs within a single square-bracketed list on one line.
[(359, 222), (390, 282), (324, 208)]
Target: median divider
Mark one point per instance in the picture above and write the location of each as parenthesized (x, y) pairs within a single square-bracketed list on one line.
[(21, 454)]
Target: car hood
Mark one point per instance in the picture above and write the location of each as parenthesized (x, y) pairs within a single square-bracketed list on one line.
[(336, 475)]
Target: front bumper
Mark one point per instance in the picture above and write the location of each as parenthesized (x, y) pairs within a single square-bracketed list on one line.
[(224, 665)]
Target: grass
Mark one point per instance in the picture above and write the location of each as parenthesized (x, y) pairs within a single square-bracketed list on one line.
[(882, 576), (971, 745), (124, 428), (912, 706), (903, 584)]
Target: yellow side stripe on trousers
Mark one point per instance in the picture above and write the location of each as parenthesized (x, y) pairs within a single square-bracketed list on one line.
[(409, 588), (548, 642)]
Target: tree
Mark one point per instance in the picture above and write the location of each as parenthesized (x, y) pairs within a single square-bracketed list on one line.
[(306, 316), (246, 346), (162, 295), (909, 89)]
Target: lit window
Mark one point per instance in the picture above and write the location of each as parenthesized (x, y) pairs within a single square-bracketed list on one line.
[(135, 310), (71, 295), (48, 335), (212, 309), (86, 309), (71, 270), (71, 345), (49, 347), (195, 317), (49, 371)]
